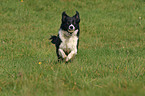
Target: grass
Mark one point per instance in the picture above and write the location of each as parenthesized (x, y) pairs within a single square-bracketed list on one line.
[(111, 56)]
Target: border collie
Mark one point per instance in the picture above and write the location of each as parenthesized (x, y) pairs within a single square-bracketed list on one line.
[(67, 40)]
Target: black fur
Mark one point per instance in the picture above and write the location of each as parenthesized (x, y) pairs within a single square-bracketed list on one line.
[(66, 21), (56, 40)]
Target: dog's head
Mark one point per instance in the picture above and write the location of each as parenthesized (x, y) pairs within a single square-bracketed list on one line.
[(70, 24)]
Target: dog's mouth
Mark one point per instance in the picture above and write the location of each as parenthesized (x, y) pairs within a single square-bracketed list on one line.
[(70, 31)]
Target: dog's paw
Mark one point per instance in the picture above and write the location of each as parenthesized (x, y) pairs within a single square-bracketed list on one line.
[(67, 59)]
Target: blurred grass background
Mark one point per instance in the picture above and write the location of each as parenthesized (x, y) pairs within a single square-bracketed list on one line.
[(110, 58)]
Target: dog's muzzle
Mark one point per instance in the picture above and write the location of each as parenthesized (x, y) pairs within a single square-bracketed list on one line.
[(71, 28)]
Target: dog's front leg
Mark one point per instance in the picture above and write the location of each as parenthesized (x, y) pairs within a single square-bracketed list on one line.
[(71, 54), (62, 54)]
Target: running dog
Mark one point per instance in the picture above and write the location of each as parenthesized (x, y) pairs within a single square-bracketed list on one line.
[(67, 40)]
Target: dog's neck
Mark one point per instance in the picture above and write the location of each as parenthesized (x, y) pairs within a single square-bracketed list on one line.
[(66, 34)]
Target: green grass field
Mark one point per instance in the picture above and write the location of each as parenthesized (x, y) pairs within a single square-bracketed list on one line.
[(110, 59)]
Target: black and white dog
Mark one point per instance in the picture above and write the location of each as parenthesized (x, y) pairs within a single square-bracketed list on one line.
[(67, 40)]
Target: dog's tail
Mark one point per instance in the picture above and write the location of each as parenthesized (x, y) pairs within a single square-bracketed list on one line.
[(53, 39)]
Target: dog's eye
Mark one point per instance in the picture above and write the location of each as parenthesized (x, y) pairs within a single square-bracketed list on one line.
[(67, 22), (73, 22)]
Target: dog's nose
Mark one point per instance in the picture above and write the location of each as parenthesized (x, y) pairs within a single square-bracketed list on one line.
[(71, 27)]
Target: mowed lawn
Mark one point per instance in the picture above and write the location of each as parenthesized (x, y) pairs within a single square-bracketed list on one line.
[(110, 59)]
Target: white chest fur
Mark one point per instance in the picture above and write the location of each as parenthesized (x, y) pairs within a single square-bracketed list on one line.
[(69, 41), (68, 44)]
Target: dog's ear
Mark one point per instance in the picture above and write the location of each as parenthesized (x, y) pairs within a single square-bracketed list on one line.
[(64, 15), (77, 17)]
